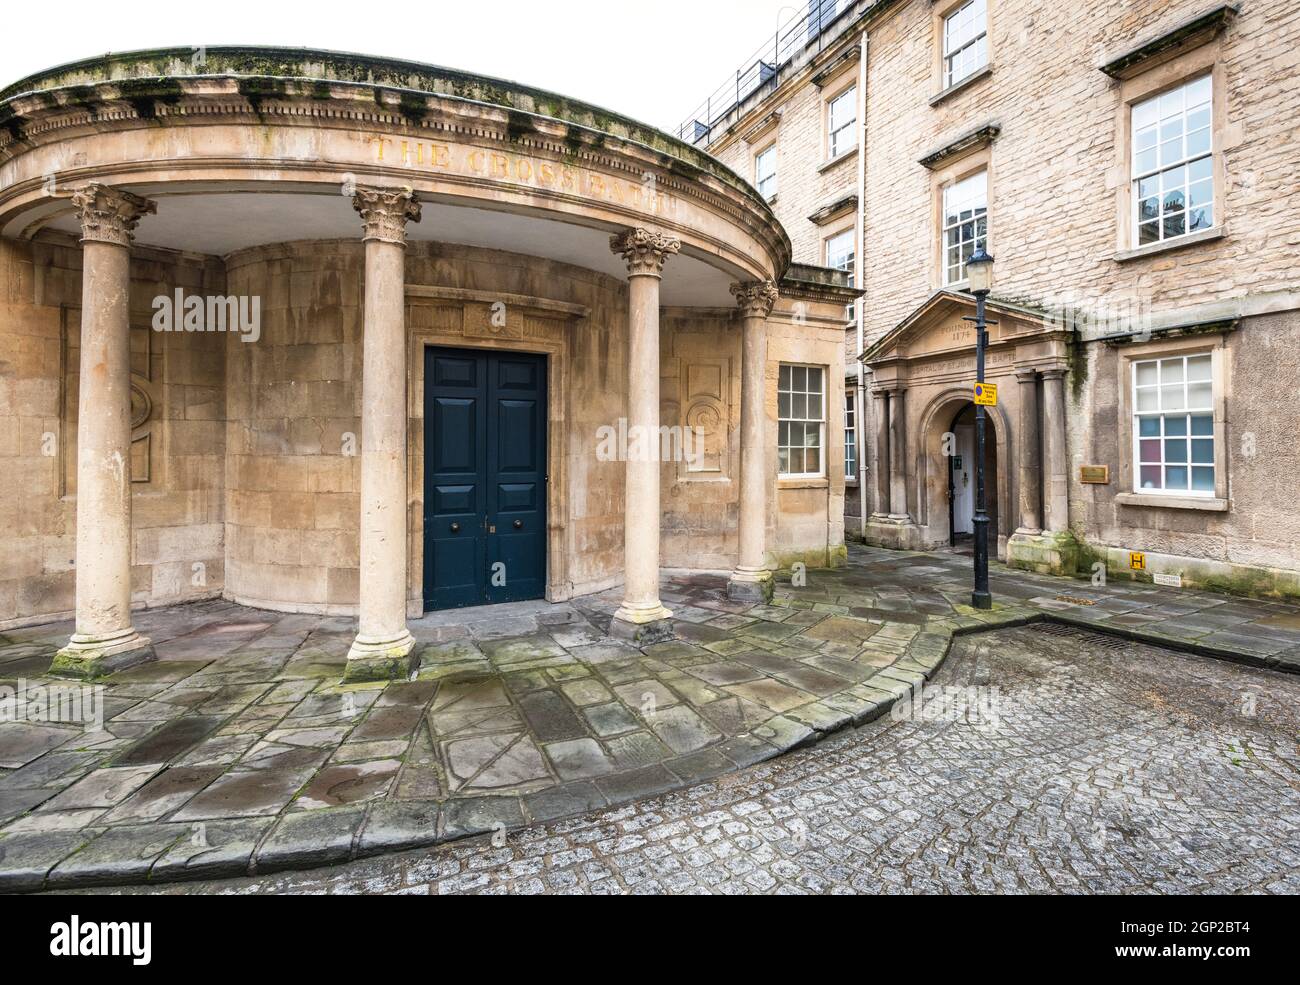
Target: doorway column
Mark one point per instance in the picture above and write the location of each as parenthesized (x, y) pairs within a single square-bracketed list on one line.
[(383, 647), (881, 398), (897, 457), (1031, 469), (752, 580), (642, 616), (104, 640), (1056, 487)]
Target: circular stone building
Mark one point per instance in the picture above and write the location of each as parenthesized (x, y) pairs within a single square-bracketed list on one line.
[(326, 333)]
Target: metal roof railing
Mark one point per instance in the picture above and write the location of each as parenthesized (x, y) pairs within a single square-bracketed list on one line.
[(713, 116)]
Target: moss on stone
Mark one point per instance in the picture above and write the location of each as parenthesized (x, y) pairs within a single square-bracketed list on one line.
[(393, 665), (84, 97), (11, 123), (144, 95), (413, 106), (1076, 355), (259, 89)]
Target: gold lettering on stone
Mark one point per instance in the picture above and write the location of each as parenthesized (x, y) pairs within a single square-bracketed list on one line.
[(432, 155)]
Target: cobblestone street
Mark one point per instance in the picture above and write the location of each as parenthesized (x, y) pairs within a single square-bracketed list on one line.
[(1061, 762)]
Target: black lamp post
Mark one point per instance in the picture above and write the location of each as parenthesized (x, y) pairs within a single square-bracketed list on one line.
[(979, 270)]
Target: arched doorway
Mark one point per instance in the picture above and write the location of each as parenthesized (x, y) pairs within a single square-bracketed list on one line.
[(962, 478)]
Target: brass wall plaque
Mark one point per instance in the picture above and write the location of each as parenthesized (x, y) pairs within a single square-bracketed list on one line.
[(1095, 473)]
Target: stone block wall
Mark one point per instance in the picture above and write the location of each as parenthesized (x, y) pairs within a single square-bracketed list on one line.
[(1055, 173), (805, 182), (178, 444), (293, 429), (700, 387), (1255, 544)]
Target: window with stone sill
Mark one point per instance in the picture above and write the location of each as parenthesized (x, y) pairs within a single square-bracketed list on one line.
[(850, 438), (1173, 163), (965, 224), (765, 173), (1173, 426), (841, 127), (965, 42), (801, 417)]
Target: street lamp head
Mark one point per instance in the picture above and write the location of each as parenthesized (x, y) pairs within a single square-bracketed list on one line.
[(979, 271)]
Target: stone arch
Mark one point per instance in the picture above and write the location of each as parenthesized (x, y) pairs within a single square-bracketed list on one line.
[(931, 488)]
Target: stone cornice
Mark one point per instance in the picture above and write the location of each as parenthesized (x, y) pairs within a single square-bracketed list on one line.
[(837, 65), (836, 209), (1213, 327), (763, 127), (645, 252), (108, 214), (33, 119), (385, 212), (805, 282), (973, 140), (1181, 37)]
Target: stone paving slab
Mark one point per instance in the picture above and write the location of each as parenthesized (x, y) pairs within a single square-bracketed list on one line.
[(1068, 768), (239, 751)]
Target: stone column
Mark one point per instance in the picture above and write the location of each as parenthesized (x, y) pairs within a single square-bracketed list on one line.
[(881, 398), (642, 616), (1030, 453), (1056, 487), (897, 456), (383, 647), (752, 580), (104, 640)]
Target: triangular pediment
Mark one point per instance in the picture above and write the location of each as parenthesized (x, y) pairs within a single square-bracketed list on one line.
[(939, 326)]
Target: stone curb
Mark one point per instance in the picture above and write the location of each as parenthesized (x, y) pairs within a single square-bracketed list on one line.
[(150, 854)]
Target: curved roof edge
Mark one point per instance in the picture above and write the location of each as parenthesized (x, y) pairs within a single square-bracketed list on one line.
[(270, 61)]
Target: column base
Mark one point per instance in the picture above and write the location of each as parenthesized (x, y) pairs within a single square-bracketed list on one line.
[(893, 532), (751, 586), (1044, 552), (642, 625), (380, 658), (87, 656)]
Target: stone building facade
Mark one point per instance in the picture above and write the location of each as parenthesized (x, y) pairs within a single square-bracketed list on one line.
[(325, 333), (1130, 167)]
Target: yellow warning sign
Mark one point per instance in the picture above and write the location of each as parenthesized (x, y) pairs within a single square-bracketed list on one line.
[(1137, 560), (986, 394)]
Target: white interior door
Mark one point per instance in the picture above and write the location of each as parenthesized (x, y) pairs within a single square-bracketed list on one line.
[(963, 481)]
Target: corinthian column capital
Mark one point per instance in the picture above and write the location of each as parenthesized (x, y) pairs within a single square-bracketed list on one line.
[(108, 214), (386, 211), (645, 252), (755, 297)]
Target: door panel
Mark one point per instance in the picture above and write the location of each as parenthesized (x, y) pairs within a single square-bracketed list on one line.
[(516, 460), (455, 493), (485, 480)]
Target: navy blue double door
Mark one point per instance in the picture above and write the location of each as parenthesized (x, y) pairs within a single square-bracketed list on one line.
[(484, 477)]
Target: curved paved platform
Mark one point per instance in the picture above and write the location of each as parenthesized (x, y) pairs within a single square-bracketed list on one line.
[(239, 752), (1080, 769)]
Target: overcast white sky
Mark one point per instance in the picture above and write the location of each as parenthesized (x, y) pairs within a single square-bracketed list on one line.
[(653, 60)]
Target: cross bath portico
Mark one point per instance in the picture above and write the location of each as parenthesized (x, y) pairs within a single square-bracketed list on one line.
[(296, 468)]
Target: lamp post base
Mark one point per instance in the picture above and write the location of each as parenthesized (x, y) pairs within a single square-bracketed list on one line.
[(981, 600)]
